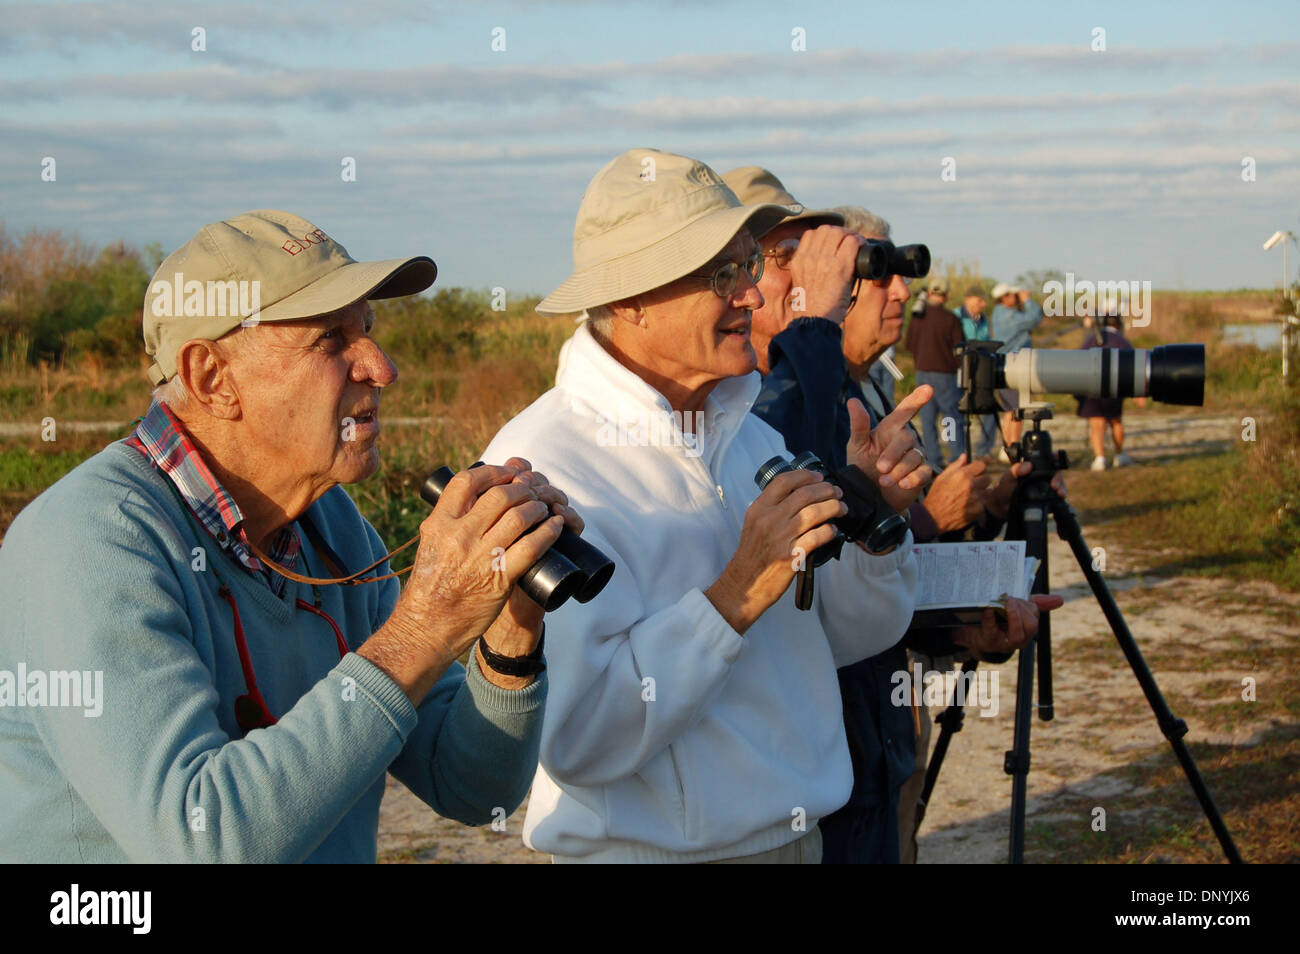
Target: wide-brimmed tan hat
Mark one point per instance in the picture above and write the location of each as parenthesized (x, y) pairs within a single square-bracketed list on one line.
[(754, 184), (648, 218), (261, 266)]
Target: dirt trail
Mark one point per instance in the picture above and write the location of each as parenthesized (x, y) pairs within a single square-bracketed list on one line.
[(1102, 720)]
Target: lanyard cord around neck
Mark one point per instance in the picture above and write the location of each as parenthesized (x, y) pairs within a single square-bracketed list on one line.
[(327, 554), (251, 710)]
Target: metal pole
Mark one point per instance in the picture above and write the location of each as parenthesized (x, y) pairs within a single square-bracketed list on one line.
[(1286, 298)]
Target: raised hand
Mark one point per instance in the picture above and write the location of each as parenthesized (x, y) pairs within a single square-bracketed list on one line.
[(890, 454)]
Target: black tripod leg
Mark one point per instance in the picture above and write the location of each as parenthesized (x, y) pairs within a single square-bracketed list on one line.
[(950, 723), (1046, 709), (1173, 728), (1016, 762), (1029, 523)]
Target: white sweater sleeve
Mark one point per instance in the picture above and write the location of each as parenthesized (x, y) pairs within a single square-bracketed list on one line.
[(865, 602), (624, 683)]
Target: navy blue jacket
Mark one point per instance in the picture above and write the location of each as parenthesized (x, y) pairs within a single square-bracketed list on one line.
[(805, 397)]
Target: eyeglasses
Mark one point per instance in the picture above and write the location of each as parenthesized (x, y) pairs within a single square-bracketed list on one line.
[(782, 252), (725, 278)]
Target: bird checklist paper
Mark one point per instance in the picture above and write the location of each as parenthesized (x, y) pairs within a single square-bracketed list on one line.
[(966, 575)]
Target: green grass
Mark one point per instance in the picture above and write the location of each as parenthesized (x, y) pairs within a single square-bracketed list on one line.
[(1196, 515), (23, 470)]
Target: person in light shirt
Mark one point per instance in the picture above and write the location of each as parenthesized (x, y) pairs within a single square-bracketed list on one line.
[(694, 713)]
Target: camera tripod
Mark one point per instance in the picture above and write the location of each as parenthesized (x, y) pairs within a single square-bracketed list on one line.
[(1034, 500)]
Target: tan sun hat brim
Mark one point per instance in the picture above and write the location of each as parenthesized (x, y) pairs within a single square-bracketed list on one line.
[(345, 285), (814, 218), (753, 184), (392, 278), (664, 261), (266, 265)]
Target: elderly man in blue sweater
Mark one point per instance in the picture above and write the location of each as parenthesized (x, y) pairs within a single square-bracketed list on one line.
[(247, 704)]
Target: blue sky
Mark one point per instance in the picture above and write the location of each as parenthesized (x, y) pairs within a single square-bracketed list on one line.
[(1119, 165)]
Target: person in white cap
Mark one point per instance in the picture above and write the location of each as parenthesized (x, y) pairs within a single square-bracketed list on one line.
[(694, 713), (1015, 315), (235, 704)]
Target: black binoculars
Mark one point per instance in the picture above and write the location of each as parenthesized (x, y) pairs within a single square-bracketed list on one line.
[(571, 567), (880, 258), (870, 519)]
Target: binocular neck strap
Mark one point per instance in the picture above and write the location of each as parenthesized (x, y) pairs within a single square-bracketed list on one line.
[(330, 559)]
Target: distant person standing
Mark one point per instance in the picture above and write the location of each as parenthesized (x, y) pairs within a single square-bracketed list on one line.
[(932, 335), (1104, 333), (975, 327), (1015, 315)]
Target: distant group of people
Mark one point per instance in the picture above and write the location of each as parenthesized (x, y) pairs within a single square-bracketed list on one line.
[(933, 335)]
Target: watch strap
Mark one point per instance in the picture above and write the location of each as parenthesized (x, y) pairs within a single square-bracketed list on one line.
[(529, 665)]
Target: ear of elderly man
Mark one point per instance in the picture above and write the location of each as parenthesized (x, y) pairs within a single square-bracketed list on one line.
[(252, 705)]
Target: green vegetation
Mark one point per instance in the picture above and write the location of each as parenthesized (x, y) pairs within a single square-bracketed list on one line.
[(70, 349)]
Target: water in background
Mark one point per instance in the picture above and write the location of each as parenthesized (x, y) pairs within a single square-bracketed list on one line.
[(1263, 335)]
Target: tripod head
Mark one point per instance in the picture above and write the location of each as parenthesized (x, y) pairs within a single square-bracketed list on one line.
[(1036, 447)]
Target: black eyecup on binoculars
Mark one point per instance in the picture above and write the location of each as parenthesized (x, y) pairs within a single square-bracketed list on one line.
[(571, 567)]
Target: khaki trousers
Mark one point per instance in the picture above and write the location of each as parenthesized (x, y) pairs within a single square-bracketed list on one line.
[(910, 795), (802, 851)]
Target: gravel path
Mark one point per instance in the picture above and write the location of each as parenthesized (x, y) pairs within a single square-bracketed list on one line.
[(1102, 721)]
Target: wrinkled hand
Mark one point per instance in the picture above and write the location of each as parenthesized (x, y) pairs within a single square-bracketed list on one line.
[(998, 499), (956, 498), (474, 546), (788, 521), (823, 266), (890, 454), (521, 612), (997, 633)]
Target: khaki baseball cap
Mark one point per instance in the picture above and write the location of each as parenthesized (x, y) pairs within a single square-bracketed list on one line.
[(754, 184), (261, 266), (648, 218), (938, 286)]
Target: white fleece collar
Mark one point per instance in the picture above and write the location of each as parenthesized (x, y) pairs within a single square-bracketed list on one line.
[(590, 373)]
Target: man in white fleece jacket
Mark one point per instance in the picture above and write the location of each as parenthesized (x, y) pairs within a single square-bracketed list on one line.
[(694, 713)]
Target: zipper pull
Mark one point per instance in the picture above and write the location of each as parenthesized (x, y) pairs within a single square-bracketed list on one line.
[(721, 495)]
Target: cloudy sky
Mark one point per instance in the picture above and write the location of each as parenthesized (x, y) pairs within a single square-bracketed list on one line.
[(1119, 164)]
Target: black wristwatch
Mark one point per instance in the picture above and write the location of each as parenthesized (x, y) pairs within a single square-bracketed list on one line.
[(529, 665)]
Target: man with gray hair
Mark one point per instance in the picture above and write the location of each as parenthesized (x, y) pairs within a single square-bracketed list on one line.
[(882, 373), (818, 368), (254, 700)]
